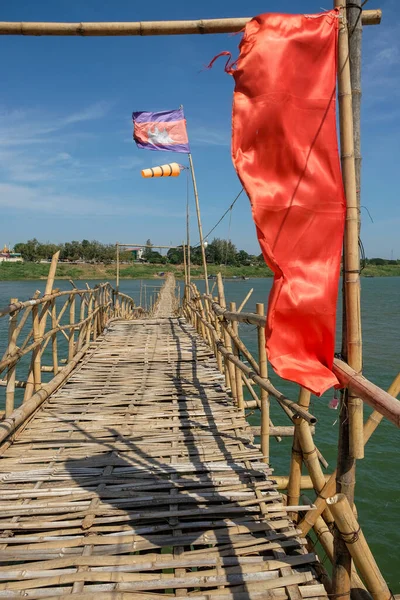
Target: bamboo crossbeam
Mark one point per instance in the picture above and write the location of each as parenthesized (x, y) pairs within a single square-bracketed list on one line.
[(35, 302), (370, 393), (145, 28), (374, 396), (263, 383), (278, 430)]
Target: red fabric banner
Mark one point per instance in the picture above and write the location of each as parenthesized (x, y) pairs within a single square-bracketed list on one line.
[(284, 148)]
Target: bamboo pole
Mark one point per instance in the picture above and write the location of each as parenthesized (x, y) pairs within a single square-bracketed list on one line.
[(185, 264), (196, 198), (238, 373), (356, 544), (354, 18), (117, 281), (36, 352), (329, 489), (143, 28), (71, 341), (351, 258), (229, 367), (241, 307), (54, 336), (11, 373), (264, 397)]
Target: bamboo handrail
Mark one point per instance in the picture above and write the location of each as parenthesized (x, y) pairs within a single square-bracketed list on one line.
[(370, 393), (145, 28), (263, 383), (18, 306)]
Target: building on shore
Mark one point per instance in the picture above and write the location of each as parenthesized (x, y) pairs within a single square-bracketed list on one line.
[(7, 255)]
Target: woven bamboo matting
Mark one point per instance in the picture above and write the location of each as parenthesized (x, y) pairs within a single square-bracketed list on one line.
[(139, 479)]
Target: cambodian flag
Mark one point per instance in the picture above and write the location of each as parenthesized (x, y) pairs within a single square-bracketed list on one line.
[(165, 130)]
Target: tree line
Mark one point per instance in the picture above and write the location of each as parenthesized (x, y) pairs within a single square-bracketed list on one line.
[(219, 252)]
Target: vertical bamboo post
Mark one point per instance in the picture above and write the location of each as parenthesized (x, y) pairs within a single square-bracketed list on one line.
[(354, 17), (36, 352), (357, 545), (238, 372), (196, 197), (52, 274), (351, 257), (351, 442), (117, 278), (90, 322), (264, 397), (229, 367), (54, 348), (185, 265), (188, 228), (12, 343), (217, 326), (71, 336)]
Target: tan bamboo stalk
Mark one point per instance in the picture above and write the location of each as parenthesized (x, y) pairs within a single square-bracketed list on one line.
[(11, 373), (229, 368), (71, 342), (329, 489), (36, 353), (216, 324), (143, 28), (184, 264), (264, 397), (356, 544), (325, 538), (54, 336), (196, 198), (228, 356), (351, 257), (241, 307), (305, 482), (238, 373), (89, 330)]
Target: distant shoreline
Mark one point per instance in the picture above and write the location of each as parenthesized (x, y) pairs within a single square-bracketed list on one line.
[(38, 271)]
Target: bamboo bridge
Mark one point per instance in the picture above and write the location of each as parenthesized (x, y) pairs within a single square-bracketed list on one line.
[(133, 472)]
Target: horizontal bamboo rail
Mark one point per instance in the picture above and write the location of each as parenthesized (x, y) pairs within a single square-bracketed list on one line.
[(145, 28), (52, 316), (370, 393)]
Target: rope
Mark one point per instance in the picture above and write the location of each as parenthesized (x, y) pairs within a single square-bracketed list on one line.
[(223, 216), (352, 537)]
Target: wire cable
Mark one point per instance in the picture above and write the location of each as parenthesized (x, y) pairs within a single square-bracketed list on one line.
[(223, 216)]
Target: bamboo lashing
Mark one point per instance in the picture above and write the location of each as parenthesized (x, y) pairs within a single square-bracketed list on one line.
[(329, 489), (355, 541), (143, 28)]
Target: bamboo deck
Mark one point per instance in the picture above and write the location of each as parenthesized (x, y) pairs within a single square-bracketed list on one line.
[(139, 479)]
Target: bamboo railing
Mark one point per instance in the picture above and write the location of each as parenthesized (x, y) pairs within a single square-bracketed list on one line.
[(57, 329), (219, 328)]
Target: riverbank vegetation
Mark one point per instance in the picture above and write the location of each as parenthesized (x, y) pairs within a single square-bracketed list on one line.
[(93, 260)]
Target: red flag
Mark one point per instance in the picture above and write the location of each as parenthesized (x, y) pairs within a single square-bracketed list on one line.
[(284, 148)]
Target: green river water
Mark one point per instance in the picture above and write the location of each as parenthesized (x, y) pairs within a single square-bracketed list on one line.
[(378, 475)]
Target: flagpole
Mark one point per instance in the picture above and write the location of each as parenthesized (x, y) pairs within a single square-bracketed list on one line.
[(196, 197), (187, 230)]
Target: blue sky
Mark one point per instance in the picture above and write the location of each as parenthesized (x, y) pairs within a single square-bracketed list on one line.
[(69, 168)]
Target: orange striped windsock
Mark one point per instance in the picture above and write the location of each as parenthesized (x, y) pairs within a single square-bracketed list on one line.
[(171, 170)]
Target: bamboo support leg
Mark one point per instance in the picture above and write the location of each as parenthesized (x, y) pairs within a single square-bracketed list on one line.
[(36, 352), (238, 373), (71, 341), (265, 404), (11, 372), (54, 336), (352, 535)]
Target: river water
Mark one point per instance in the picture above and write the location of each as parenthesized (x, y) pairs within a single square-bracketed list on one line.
[(378, 477)]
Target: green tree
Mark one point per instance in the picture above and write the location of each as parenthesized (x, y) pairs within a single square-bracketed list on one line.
[(221, 252), (148, 250)]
